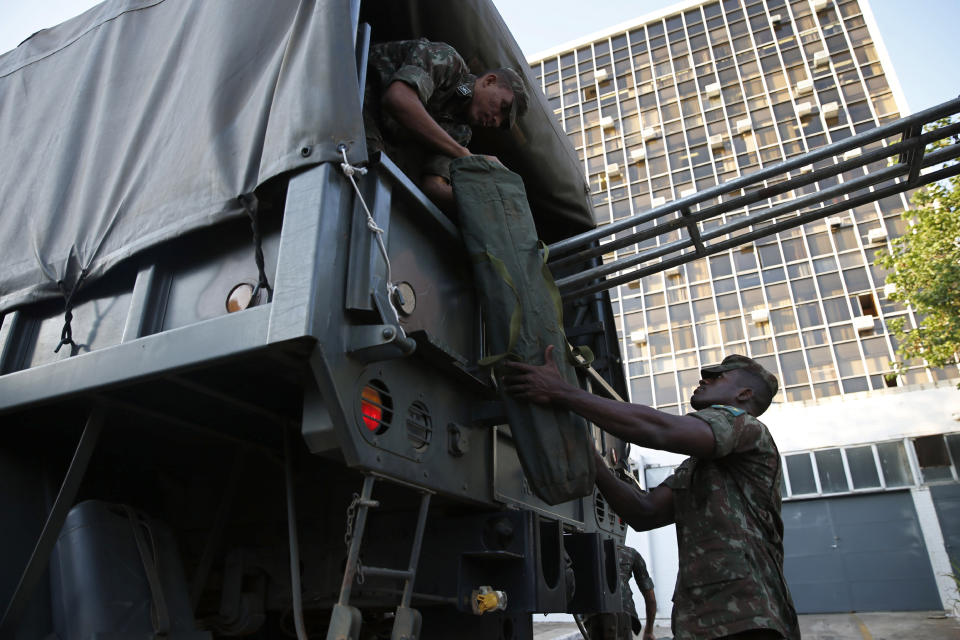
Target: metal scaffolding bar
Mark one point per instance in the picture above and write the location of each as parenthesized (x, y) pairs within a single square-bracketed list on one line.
[(757, 234), (898, 127), (908, 173), (756, 195)]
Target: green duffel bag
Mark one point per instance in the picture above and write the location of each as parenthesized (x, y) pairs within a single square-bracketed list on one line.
[(523, 314)]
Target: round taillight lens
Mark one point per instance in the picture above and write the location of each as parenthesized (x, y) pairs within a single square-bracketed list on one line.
[(371, 407), (240, 297)]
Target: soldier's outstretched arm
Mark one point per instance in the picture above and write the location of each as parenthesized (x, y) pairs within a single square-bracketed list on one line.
[(439, 191), (650, 603), (641, 510), (635, 423), (403, 103)]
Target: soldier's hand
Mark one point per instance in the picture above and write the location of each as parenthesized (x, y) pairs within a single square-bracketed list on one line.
[(534, 383), (648, 634)]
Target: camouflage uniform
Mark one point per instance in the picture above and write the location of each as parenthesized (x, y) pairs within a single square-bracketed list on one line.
[(630, 563), (619, 626), (730, 535), (444, 84)]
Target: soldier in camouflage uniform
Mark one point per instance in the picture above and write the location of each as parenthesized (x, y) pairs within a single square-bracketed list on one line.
[(623, 626), (724, 499), (420, 105)]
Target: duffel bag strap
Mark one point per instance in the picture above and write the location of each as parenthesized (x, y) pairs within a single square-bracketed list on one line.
[(579, 357), (515, 318), (549, 283)]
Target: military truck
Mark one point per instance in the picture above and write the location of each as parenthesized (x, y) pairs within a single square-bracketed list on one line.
[(234, 403), (239, 390)]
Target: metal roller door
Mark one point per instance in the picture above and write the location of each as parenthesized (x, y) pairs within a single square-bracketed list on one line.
[(946, 500), (857, 553)]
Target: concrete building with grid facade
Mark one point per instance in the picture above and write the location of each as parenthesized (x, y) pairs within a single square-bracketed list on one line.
[(704, 92)]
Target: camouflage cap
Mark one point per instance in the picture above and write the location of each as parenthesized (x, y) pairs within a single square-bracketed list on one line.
[(520, 98), (737, 361)]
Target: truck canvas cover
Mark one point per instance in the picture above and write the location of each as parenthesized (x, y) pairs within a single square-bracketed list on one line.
[(142, 120)]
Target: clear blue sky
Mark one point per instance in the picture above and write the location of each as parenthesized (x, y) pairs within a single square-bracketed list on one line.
[(921, 35)]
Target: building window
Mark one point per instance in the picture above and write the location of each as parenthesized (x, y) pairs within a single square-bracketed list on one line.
[(933, 458), (809, 315), (848, 359), (640, 391), (894, 463), (826, 389), (665, 387), (821, 364), (837, 310), (863, 467), (800, 471), (833, 478), (794, 370), (788, 342), (830, 284), (814, 337), (881, 466)]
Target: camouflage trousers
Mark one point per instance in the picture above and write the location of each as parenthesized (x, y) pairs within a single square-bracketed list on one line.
[(609, 626)]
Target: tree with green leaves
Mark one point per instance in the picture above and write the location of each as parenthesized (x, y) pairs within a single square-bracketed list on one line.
[(924, 269)]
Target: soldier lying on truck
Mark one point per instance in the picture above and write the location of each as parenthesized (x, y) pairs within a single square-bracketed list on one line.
[(724, 499), (420, 105)]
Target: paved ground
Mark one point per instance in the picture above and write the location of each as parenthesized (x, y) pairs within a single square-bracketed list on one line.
[(916, 625), (911, 625)]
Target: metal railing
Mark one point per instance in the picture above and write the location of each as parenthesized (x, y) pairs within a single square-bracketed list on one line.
[(700, 215)]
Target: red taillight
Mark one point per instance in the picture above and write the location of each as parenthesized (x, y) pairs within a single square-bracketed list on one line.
[(371, 406)]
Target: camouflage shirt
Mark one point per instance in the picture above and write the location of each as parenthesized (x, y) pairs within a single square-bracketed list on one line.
[(730, 534), (630, 563), (441, 79)]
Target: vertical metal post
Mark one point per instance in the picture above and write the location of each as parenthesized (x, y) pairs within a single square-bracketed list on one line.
[(415, 551), (295, 587), (40, 558), (9, 328), (143, 289), (353, 554)]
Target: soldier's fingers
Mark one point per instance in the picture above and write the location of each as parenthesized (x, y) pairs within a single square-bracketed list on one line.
[(518, 366), (512, 379)]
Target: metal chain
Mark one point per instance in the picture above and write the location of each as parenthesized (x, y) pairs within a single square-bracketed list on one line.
[(348, 533), (350, 170), (351, 512)]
